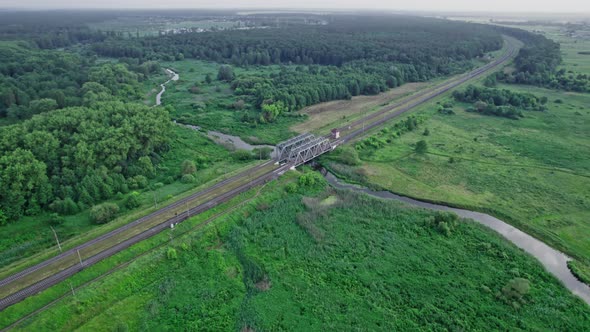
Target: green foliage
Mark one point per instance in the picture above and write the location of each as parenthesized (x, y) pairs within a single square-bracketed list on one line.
[(291, 187), (537, 64), (421, 147), (187, 178), (499, 102), (25, 185), (242, 155), (225, 73), (104, 213), (188, 167), (310, 179), (515, 290), (55, 219), (132, 200), (172, 254), (348, 156), (82, 154)]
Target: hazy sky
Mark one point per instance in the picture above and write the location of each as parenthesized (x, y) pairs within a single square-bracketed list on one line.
[(570, 6)]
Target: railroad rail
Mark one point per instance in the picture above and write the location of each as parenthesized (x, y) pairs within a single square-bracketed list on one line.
[(290, 154)]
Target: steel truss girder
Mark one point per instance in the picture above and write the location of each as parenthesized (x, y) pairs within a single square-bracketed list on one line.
[(310, 151), (284, 149)]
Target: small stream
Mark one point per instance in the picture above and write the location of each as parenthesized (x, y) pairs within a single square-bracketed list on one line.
[(553, 260), (173, 77)]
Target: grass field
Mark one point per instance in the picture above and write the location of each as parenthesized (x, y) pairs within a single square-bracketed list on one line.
[(533, 172), (320, 262)]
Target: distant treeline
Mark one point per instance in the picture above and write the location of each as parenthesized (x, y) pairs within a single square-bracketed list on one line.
[(351, 55), (537, 62)]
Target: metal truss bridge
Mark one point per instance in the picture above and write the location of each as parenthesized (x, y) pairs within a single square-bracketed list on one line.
[(303, 148)]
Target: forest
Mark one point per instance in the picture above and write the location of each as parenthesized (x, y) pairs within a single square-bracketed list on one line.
[(335, 61)]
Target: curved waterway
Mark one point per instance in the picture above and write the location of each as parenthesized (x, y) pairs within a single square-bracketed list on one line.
[(553, 260), (173, 77)]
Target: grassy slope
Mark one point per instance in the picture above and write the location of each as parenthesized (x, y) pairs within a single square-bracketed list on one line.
[(279, 266)]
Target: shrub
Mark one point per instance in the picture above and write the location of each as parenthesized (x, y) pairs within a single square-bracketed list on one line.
[(310, 179), (55, 219), (188, 167), (103, 213), (242, 155), (65, 207), (421, 147), (187, 178), (132, 201), (291, 187), (172, 254), (349, 157)]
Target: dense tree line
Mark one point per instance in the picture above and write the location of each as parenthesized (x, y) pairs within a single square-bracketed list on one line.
[(293, 88), (353, 55), (403, 39), (500, 102), (34, 81), (537, 64), (73, 158)]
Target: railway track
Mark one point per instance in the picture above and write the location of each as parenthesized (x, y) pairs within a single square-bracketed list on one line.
[(93, 251)]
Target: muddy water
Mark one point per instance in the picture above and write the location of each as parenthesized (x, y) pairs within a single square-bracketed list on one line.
[(553, 260), (234, 141)]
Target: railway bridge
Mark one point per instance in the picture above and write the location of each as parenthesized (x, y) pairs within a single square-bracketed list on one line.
[(303, 148)]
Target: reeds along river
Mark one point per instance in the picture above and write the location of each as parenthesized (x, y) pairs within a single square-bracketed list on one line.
[(553, 260)]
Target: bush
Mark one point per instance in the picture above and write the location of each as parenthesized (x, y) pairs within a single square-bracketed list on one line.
[(65, 207), (188, 167), (103, 213), (349, 157), (310, 179), (421, 147), (55, 219), (187, 178), (137, 182), (132, 201), (242, 155), (291, 188), (172, 254)]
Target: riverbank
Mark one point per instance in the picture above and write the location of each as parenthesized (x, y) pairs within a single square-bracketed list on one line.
[(553, 260)]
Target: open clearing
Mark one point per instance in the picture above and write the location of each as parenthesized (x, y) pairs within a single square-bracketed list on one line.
[(340, 112)]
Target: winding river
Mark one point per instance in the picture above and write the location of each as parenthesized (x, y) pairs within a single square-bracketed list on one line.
[(554, 261)]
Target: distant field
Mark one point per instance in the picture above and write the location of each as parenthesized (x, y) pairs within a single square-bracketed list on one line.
[(142, 26), (572, 43)]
